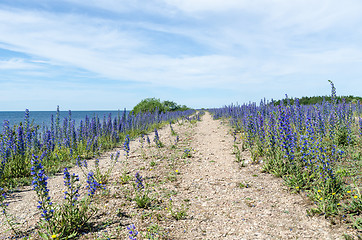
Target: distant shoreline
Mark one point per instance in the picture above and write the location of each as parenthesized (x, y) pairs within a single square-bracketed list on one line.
[(44, 117)]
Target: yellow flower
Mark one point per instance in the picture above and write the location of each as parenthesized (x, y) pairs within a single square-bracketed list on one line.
[(176, 171), (355, 196), (348, 191), (338, 204), (321, 198), (319, 190), (333, 193), (54, 236)]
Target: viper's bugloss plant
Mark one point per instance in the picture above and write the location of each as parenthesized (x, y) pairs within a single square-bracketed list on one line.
[(103, 177), (177, 139), (187, 153), (141, 193), (92, 184), (71, 194), (40, 187), (139, 182), (148, 140), (71, 217), (97, 178), (173, 133), (157, 140), (126, 145), (132, 232)]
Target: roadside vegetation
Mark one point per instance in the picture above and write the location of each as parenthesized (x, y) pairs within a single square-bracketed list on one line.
[(146, 201), (316, 149), (29, 154)]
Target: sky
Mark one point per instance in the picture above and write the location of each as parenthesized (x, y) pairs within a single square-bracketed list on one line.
[(111, 54)]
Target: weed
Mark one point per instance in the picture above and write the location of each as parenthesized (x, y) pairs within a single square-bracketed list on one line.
[(142, 198), (187, 153), (244, 185), (179, 213), (154, 232)]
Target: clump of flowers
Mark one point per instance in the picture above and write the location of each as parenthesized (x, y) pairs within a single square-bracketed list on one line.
[(157, 140), (142, 199), (40, 186), (73, 214), (92, 184), (148, 140), (139, 182), (67, 219), (126, 145), (177, 139), (186, 153), (72, 192), (132, 232)]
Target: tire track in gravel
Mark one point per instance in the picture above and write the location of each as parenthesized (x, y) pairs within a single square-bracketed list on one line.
[(221, 209)]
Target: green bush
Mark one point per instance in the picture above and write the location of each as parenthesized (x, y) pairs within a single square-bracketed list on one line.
[(154, 104)]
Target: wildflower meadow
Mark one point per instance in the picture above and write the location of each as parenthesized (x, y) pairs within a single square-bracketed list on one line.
[(315, 149), (30, 154)]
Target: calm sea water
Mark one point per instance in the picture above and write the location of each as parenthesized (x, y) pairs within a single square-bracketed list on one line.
[(43, 117)]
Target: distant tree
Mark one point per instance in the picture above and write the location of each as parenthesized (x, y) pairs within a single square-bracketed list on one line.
[(170, 106), (148, 105), (154, 104)]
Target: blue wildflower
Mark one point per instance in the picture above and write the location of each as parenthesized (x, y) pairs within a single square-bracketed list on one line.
[(132, 232)]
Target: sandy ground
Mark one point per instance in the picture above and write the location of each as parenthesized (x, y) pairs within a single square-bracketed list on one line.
[(221, 199)]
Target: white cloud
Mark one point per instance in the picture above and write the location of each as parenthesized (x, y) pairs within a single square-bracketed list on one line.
[(298, 16), (137, 7), (100, 47), (113, 5), (17, 64), (211, 5), (243, 43)]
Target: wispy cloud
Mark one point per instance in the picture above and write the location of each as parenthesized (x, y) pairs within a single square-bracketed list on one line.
[(16, 64), (228, 45)]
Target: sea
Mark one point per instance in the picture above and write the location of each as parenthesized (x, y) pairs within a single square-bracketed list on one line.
[(43, 118)]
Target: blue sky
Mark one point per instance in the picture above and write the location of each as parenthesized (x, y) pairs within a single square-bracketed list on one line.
[(110, 54)]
